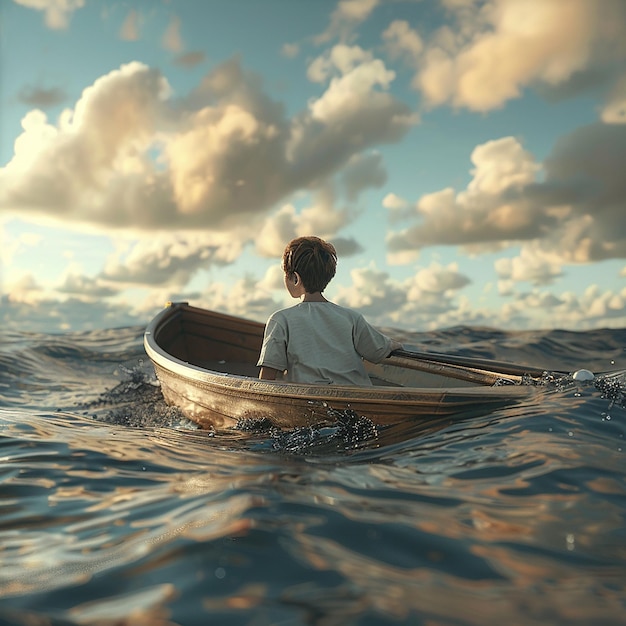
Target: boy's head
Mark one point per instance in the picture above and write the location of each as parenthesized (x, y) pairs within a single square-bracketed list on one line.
[(314, 260)]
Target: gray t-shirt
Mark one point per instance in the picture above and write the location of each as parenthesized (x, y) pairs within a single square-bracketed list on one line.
[(322, 342)]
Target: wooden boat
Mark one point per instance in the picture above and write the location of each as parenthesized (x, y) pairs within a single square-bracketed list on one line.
[(206, 364)]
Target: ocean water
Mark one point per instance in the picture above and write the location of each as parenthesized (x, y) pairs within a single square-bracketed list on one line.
[(115, 510)]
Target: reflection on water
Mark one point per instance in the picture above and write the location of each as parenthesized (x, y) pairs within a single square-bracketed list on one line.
[(115, 511)]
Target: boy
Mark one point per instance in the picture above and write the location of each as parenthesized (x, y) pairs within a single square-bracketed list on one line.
[(318, 341)]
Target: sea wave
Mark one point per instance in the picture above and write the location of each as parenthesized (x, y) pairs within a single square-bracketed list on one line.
[(114, 509)]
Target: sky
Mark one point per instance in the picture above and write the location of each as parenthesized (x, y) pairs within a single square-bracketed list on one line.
[(467, 158)]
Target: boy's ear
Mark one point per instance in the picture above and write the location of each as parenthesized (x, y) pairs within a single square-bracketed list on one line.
[(296, 278)]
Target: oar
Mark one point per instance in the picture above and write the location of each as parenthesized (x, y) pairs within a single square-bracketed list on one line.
[(471, 362)]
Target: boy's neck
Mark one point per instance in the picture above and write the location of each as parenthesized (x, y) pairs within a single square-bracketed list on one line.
[(313, 297)]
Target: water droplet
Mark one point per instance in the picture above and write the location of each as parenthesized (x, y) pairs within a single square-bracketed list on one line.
[(570, 541), (570, 433), (220, 573)]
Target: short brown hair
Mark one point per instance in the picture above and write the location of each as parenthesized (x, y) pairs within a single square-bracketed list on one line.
[(314, 259)]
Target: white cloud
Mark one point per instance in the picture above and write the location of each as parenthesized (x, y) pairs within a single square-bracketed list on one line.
[(592, 309), (402, 41), (170, 259), (533, 265), (398, 208), (402, 257), (130, 156), (57, 12), (172, 39), (372, 292), (341, 59), (277, 230), (273, 279), (199, 157), (498, 48), (68, 170), (355, 10), (321, 218), (345, 18), (501, 165), (506, 287), (243, 298), (395, 203), (431, 297), (130, 29), (345, 93), (571, 208), (414, 301), (437, 279), (290, 50), (489, 210), (355, 113), (605, 304), (25, 290), (86, 288)]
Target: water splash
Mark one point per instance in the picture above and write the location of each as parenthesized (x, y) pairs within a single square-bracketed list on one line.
[(136, 402), (613, 388), (556, 380), (345, 429)]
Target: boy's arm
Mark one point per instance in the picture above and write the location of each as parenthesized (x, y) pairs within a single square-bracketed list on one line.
[(396, 345)]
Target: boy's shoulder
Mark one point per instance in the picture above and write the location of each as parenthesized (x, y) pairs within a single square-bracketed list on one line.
[(285, 313)]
